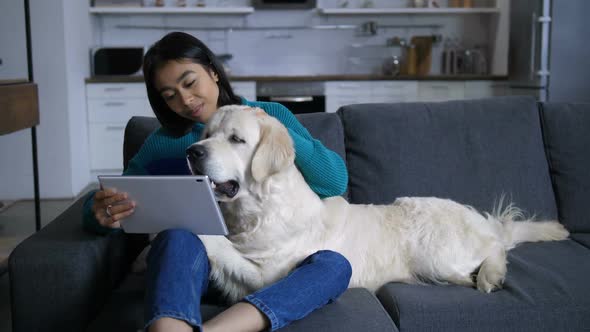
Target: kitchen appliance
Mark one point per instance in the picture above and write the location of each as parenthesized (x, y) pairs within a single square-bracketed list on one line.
[(391, 65), (284, 4), (116, 61), (548, 57), (298, 97), (459, 60)]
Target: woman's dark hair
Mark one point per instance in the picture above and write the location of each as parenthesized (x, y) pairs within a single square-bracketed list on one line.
[(178, 46)]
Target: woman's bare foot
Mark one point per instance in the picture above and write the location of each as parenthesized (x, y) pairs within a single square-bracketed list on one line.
[(170, 325), (241, 317)]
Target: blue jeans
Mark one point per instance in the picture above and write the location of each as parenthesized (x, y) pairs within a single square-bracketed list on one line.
[(178, 275)]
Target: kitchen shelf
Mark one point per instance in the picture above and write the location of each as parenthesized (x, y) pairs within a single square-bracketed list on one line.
[(172, 10), (401, 11)]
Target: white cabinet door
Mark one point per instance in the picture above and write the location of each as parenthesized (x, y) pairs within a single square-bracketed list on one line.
[(485, 89), (429, 91), (117, 109), (340, 93), (359, 92), (115, 90), (394, 92), (110, 106), (245, 89), (106, 146)]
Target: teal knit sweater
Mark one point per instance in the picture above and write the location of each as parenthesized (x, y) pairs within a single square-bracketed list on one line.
[(163, 154)]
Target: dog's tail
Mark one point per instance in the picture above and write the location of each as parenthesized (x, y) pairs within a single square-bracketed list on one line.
[(517, 229)]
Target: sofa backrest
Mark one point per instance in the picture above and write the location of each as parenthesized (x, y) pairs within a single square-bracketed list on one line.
[(566, 129), (325, 127), (472, 151), (136, 132)]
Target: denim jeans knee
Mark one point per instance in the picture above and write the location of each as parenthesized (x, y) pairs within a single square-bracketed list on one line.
[(331, 259), (316, 281), (177, 277)]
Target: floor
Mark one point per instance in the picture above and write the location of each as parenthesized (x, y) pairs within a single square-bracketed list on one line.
[(17, 222)]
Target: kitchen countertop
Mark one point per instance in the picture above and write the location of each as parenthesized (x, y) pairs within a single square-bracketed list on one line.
[(345, 77)]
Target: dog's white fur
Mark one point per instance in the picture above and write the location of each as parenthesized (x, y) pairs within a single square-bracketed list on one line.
[(276, 221)]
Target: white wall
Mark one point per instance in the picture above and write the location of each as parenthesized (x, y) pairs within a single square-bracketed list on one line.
[(16, 166), (78, 38), (60, 32), (13, 42)]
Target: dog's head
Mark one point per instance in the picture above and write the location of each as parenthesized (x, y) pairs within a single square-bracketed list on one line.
[(240, 146)]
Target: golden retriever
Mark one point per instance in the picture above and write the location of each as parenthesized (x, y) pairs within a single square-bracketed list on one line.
[(275, 220)]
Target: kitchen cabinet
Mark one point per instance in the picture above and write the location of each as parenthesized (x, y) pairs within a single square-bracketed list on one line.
[(340, 93), (394, 92), (110, 106), (432, 91), (246, 89), (484, 89)]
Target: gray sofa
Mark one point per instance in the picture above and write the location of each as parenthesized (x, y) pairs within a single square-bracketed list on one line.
[(64, 279)]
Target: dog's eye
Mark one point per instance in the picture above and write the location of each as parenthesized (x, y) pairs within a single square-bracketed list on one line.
[(235, 139)]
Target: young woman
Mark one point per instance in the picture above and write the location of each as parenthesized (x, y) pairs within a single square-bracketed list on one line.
[(186, 85)]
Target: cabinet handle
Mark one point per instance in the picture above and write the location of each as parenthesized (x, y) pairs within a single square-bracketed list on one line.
[(114, 103), (114, 89)]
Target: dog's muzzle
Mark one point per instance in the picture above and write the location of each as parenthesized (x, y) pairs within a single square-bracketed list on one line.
[(196, 155)]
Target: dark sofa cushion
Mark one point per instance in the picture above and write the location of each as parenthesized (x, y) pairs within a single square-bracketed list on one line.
[(471, 151), (566, 127), (137, 130), (546, 289), (582, 238), (356, 310)]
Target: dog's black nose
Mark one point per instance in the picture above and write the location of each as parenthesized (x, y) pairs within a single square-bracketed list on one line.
[(196, 152)]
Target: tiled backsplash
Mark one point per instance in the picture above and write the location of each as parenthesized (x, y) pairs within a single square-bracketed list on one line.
[(296, 42)]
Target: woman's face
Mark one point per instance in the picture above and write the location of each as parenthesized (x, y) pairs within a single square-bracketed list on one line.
[(189, 89)]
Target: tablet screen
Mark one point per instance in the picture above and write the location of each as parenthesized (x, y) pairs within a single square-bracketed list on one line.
[(168, 202)]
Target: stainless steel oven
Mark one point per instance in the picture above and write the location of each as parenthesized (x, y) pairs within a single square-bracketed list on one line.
[(298, 97), (284, 4)]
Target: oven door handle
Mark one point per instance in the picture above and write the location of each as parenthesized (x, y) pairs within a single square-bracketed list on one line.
[(299, 99)]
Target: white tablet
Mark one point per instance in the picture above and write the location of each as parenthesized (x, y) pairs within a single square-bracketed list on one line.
[(167, 202)]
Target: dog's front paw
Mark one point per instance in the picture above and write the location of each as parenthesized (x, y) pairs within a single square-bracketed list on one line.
[(489, 282)]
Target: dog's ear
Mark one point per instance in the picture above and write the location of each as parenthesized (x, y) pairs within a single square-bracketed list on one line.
[(275, 149)]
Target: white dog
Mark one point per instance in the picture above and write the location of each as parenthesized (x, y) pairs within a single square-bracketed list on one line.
[(275, 220)]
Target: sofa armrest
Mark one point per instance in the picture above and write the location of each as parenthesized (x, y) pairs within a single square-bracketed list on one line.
[(62, 275)]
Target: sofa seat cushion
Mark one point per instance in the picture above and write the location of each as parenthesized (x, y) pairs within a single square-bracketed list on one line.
[(124, 310), (546, 289), (356, 310), (472, 151), (567, 140)]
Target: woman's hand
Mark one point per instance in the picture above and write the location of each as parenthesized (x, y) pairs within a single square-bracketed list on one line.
[(110, 207)]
